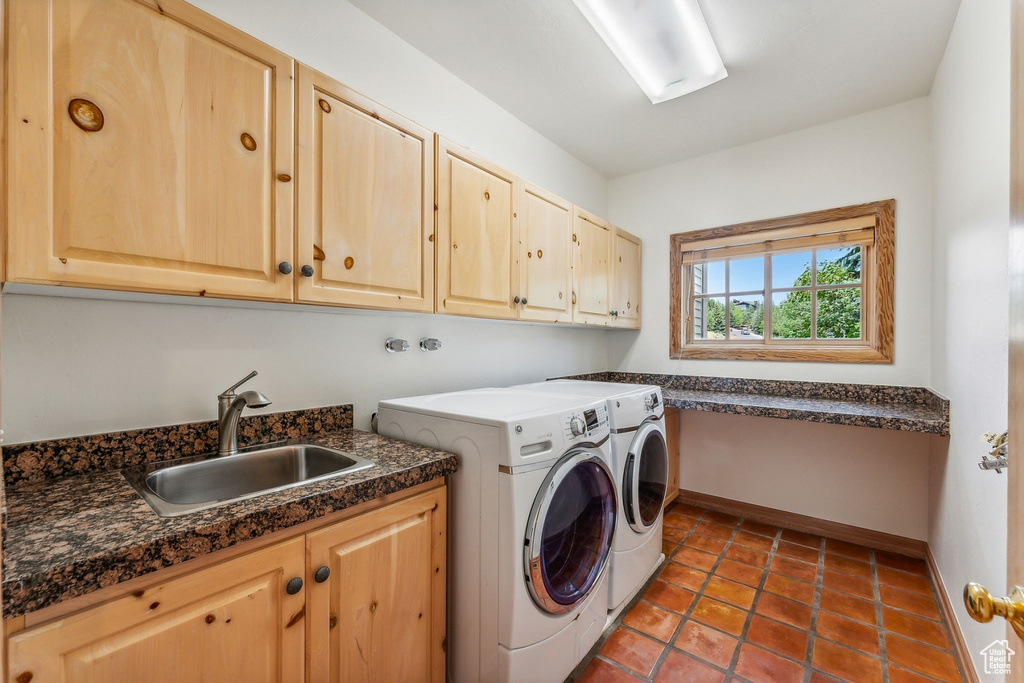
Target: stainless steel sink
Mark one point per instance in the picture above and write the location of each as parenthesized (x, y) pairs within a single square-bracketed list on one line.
[(179, 489)]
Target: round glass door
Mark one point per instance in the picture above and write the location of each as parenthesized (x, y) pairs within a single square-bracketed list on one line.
[(645, 479), (569, 533)]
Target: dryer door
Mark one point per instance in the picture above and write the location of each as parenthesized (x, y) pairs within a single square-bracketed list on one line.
[(645, 478), (569, 532)]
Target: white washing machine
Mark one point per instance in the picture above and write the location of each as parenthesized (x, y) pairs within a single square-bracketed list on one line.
[(640, 455), (532, 514)]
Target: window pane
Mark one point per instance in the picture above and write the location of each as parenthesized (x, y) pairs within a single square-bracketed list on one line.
[(746, 275), (791, 315), (746, 318), (839, 313), (839, 266), (709, 318), (791, 270), (709, 278)]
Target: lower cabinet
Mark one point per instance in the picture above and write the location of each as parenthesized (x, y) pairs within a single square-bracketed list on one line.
[(234, 621), (378, 614), (274, 615)]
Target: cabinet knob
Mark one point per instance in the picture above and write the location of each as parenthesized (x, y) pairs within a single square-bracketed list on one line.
[(307, 271), (294, 586), (322, 574), (524, 300), (284, 267), (516, 300)]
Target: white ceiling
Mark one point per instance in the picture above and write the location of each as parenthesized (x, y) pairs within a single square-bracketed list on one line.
[(792, 64)]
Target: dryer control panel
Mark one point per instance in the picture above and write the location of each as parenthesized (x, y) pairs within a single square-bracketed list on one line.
[(589, 423)]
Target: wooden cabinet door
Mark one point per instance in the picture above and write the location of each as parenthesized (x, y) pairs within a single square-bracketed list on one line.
[(672, 444), (545, 256), (150, 148), (233, 621), (592, 272), (477, 235), (380, 615), (626, 280), (366, 214)]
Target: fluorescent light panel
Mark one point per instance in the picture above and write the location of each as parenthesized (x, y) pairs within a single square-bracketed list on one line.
[(665, 45)]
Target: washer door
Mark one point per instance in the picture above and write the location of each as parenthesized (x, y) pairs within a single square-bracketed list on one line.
[(569, 532), (645, 478)]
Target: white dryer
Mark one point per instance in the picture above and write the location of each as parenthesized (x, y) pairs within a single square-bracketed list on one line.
[(532, 514), (640, 455)]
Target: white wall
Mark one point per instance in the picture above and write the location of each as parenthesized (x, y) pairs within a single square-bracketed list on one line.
[(879, 155), (870, 478), (970, 105), (73, 366)]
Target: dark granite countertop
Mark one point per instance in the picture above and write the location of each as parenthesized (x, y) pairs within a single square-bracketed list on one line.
[(69, 536), (909, 409)]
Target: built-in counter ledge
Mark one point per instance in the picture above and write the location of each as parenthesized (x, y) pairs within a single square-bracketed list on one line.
[(86, 528), (908, 409)]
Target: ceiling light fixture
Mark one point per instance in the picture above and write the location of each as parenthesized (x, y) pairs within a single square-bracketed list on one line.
[(665, 45)]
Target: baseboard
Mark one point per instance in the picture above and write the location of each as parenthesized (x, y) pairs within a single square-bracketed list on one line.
[(960, 651), (812, 525)]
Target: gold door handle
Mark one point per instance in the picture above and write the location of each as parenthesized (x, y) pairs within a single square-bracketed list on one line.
[(982, 606)]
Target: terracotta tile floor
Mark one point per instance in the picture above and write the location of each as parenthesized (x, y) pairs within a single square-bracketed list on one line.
[(742, 601)]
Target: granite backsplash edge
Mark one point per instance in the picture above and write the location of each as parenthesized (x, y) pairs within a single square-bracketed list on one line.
[(832, 391), (39, 461)]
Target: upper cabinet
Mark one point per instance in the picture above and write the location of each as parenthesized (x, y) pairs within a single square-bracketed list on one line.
[(477, 235), (545, 256), (150, 148), (365, 216), (592, 271), (626, 280)]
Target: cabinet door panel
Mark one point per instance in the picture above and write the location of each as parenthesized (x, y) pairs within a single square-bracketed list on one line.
[(199, 627), (380, 614), (477, 235), (545, 272), (626, 283), (176, 190), (365, 200), (592, 272)]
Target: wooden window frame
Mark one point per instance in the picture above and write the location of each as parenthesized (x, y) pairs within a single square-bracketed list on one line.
[(801, 231)]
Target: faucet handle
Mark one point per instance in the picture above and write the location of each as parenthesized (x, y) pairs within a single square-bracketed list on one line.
[(230, 391)]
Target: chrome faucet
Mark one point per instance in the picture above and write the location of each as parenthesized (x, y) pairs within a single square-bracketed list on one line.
[(229, 409)]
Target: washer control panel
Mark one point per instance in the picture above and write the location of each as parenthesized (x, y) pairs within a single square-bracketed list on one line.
[(585, 423), (651, 401)]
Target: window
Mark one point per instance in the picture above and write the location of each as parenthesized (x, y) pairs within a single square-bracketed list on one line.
[(812, 287)]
